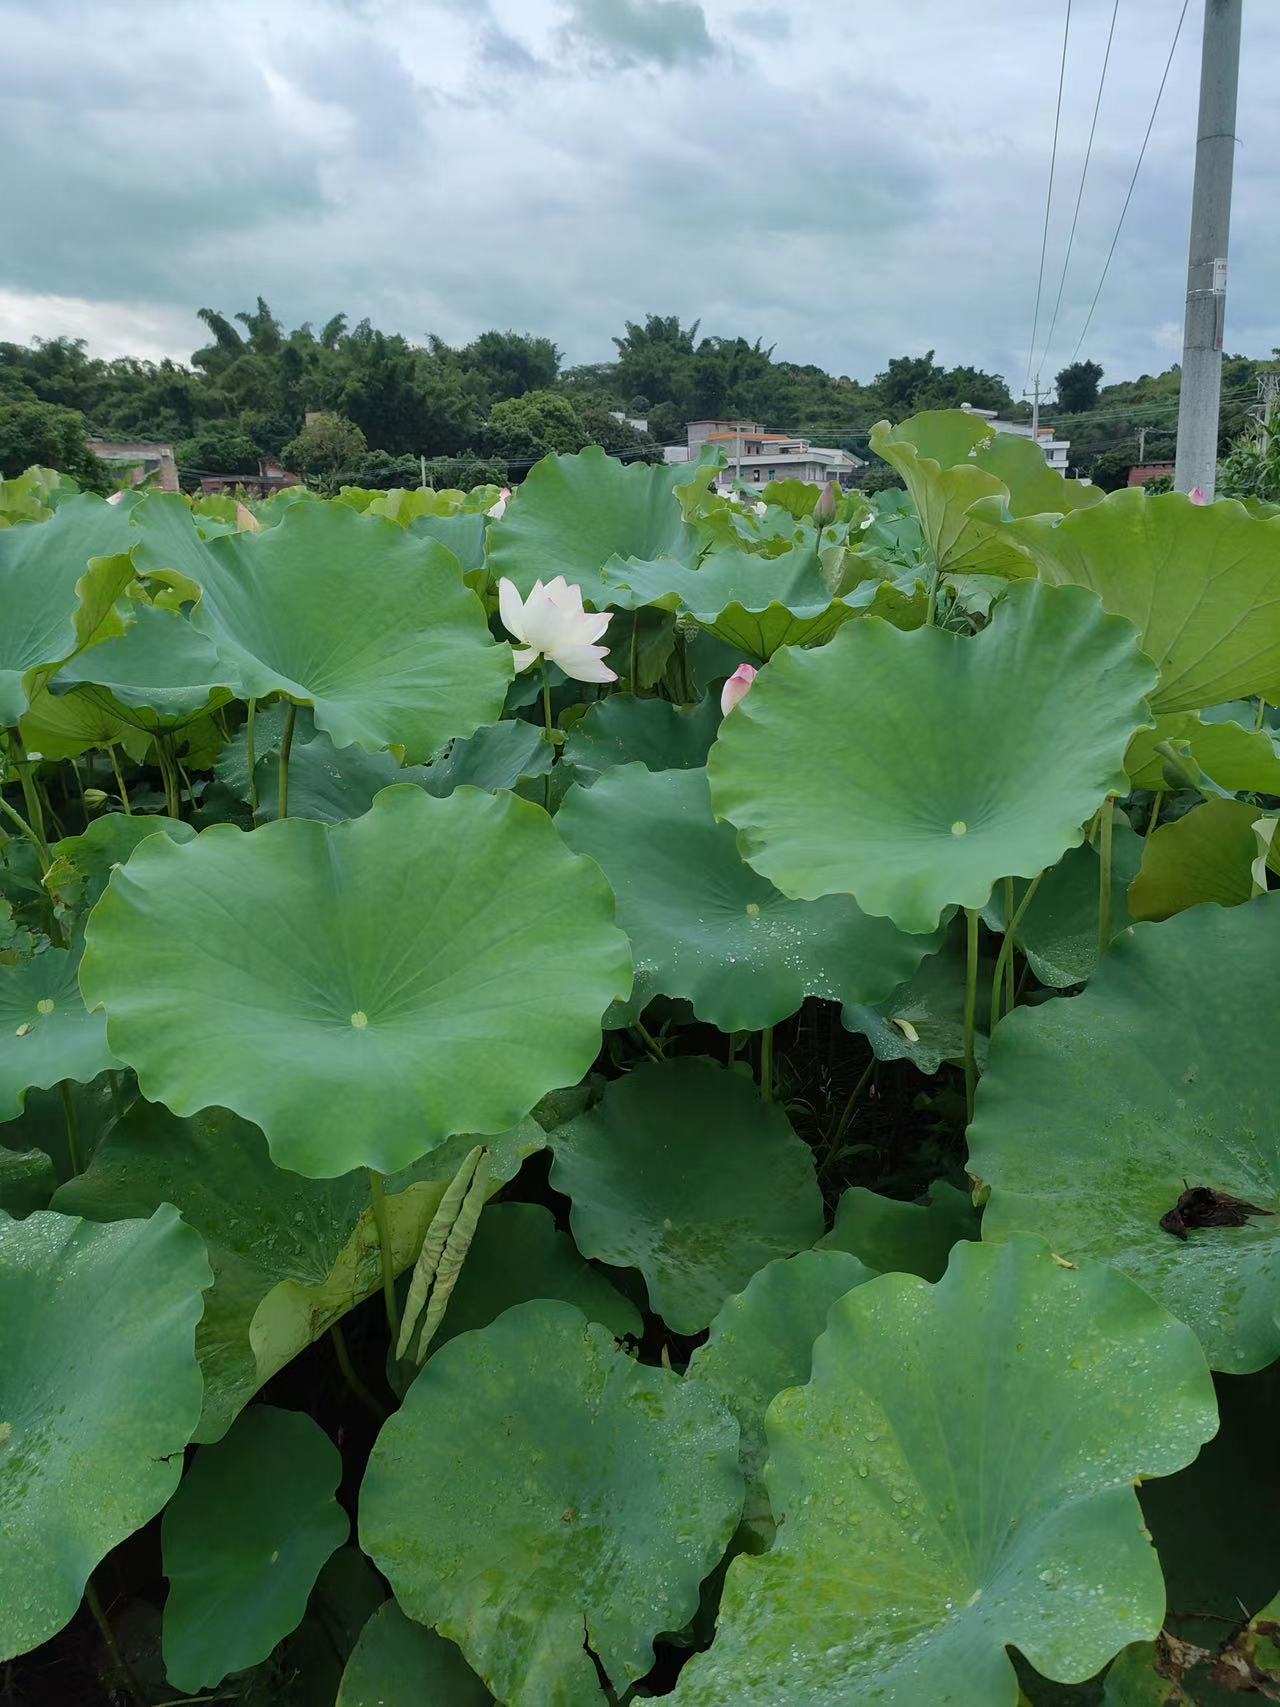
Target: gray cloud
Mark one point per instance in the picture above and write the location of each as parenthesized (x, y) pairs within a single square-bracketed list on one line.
[(445, 165), (627, 33)]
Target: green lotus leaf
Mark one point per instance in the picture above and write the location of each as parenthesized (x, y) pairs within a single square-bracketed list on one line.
[(1218, 1559), (160, 673), (706, 927), (43, 1124), (576, 512), (290, 1256), (349, 614), (54, 602), (307, 1668), (623, 728), (923, 1020), (1058, 933), (463, 535), (232, 767), (952, 769), (245, 1537), (1095, 1115), (1034, 487), (933, 452), (99, 1393), (397, 1663), (1207, 855), (372, 958), (27, 1181), (109, 841), (171, 547), (762, 1341), (683, 1172), (518, 1253), (627, 1492), (957, 1478), (1199, 582), (62, 726), (754, 603), (328, 783), (1133, 1681), (495, 757), (46, 1032), (906, 1238), (1240, 760)]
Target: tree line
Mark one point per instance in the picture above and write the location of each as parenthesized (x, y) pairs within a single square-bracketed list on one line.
[(488, 409)]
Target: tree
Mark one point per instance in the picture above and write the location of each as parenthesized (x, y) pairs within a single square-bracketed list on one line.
[(1078, 386), (53, 437), (329, 446), (509, 364), (221, 448), (1251, 469), (1110, 469), (524, 429)]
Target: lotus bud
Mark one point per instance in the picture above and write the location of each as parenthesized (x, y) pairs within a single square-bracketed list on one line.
[(736, 688), (498, 507), (1196, 495), (95, 797), (116, 498), (824, 511)]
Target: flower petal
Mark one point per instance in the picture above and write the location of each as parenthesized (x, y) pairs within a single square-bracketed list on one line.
[(522, 657), (585, 663), (738, 685), (511, 608)]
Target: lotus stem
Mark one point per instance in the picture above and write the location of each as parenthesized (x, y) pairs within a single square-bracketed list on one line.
[(20, 823), (1005, 957), (931, 610), (1262, 713), (1157, 801), (550, 725), (1106, 825), (972, 917), (172, 792), (286, 747), (251, 755), (73, 1127), (119, 776), (766, 1063), (385, 1254), (635, 653), (127, 1674), (349, 1375)]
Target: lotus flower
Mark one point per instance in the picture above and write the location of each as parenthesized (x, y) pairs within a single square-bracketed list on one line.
[(737, 687), (824, 510), (1196, 495), (116, 498), (499, 505), (553, 625)]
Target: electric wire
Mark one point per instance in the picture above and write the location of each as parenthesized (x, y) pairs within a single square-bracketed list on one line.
[(1106, 266), (1048, 200)]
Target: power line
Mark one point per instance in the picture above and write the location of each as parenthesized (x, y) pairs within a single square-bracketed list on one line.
[(1106, 267), (1048, 200), (1084, 173)]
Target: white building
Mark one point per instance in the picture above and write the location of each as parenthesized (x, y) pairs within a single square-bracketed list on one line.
[(1055, 449), (755, 457)]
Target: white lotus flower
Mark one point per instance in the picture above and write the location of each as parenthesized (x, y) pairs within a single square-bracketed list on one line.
[(552, 624), (499, 505)]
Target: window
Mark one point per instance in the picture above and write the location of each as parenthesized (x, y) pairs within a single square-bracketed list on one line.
[(755, 474)]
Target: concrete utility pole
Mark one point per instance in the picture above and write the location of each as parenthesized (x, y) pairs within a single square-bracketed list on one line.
[(1207, 255), (1142, 445)]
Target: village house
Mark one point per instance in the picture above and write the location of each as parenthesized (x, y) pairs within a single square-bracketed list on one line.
[(755, 456)]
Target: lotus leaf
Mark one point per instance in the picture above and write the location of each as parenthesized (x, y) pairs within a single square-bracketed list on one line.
[(706, 927), (976, 780), (623, 728), (756, 604), (683, 1172), (109, 841), (576, 512), (329, 783), (1198, 580), (1095, 1115), (46, 1032), (498, 756), (290, 1255), (762, 1341), (518, 1253), (957, 1477), (245, 1537), (27, 1181), (1207, 855), (349, 614), (53, 602), (1239, 760), (357, 994), (923, 1020), (1058, 933), (99, 1394), (397, 1663), (627, 1492), (161, 673), (894, 1237)]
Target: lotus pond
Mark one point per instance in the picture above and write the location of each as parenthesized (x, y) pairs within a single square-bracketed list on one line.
[(624, 1093)]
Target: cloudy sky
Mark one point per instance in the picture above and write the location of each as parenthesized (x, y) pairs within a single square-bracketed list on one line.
[(847, 180)]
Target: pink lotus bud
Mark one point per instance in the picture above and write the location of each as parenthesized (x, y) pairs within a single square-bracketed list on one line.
[(116, 498), (736, 688), (1196, 495), (824, 510)]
